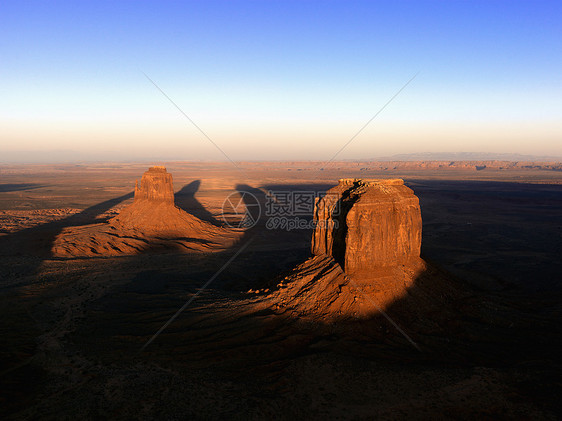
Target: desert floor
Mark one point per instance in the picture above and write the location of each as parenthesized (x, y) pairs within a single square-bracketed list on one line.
[(72, 329)]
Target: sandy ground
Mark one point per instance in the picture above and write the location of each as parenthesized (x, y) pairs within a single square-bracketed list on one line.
[(73, 328)]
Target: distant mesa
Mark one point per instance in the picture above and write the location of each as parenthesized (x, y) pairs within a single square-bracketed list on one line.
[(366, 252), (151, 222), (154, 212)]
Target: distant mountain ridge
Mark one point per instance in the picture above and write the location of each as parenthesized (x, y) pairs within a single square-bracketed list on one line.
[(465, 156)]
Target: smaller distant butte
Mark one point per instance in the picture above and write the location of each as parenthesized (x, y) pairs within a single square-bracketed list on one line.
[(156, 186), (151, 223)]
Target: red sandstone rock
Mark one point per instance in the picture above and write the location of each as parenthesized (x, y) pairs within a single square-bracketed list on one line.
[(366, 250), (318, 289), (368, 224), (156, 186)]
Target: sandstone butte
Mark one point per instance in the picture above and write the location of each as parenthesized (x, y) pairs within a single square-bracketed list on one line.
[(366, 253), (368, 225), (151, 222), (156, 186)]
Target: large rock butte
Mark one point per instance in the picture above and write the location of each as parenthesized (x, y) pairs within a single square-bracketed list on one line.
[(366, 225), (366, 248)]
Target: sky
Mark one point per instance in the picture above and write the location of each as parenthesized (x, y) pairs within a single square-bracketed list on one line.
[(276, 80)]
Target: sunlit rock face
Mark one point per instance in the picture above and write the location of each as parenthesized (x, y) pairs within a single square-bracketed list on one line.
[(368, 225), (156, 185)]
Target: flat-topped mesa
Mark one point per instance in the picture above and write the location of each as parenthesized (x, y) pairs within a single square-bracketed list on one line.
[(155, 186), (368, 225)]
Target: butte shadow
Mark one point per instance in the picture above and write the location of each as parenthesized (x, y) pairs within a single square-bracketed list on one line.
[(185, 200), (5, 188), (38, 240)]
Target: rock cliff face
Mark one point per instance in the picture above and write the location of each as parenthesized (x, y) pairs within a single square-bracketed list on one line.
[(156, 186), (368, 224)]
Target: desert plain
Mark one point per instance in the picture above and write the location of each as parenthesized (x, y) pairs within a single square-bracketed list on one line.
[(477, 335)]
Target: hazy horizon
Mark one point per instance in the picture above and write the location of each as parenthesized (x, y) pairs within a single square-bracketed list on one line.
[(73, 157), (278, 80)]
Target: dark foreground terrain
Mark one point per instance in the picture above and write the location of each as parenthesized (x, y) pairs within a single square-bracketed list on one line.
[(487, 331)]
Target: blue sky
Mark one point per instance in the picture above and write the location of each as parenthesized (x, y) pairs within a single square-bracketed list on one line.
[(279, 80)]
